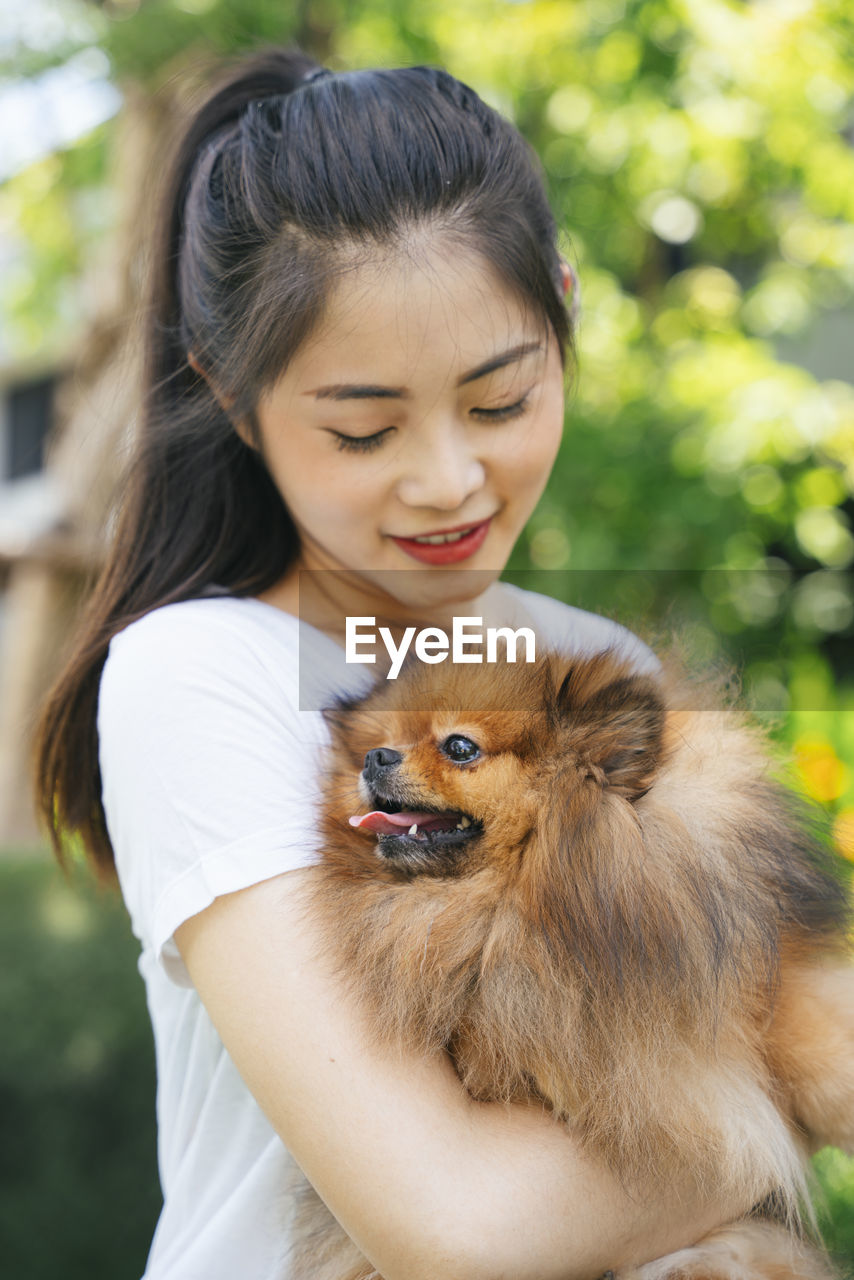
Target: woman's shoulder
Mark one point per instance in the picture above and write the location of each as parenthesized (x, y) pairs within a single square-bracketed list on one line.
[(232, 644), (569, 629), (206, 626), (190, 664)]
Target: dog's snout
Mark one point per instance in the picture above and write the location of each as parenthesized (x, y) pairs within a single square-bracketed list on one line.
[(379, 759)]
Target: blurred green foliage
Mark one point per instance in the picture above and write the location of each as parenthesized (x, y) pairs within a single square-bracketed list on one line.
[(78, 1175), (835, 1193)]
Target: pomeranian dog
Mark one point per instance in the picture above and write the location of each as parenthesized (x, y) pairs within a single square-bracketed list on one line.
[(585, 884)]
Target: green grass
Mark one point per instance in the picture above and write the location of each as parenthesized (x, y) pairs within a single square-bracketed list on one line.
[(78, 1181)]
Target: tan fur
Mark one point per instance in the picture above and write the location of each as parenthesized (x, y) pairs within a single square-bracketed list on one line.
[(811, 1050), (638, 935), (748, 1251)]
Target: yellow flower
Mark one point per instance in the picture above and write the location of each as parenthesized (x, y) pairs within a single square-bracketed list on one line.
[(824, 774)]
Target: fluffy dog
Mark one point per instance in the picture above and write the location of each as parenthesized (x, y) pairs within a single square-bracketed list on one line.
[(587, 886)]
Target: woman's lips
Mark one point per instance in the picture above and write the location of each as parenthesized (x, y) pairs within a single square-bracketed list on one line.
[(446, 552)]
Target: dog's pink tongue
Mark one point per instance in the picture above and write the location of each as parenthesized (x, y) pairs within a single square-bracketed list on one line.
[(389, 823)]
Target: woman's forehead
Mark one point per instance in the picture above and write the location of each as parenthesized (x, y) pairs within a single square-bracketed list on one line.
[(397, 316)]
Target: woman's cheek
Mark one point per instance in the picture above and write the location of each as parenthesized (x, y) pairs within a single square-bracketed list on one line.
[(544, 444)]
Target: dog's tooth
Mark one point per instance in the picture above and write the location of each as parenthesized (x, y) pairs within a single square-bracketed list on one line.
[(413, 830), (465, 822), (459, 827)]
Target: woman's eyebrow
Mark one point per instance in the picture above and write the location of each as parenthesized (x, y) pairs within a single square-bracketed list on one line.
[(356, 391), (498, 362), (352, 391)]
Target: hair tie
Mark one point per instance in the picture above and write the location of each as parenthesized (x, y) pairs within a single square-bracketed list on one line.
[(316, 73), (570, 289)]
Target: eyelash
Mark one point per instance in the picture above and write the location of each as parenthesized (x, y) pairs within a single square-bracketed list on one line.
[(360, 444), (366, 444), (505, 413)]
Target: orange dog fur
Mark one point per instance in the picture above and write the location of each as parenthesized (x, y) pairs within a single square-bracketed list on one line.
[(627, 919)]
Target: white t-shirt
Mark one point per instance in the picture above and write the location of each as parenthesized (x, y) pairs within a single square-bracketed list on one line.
[(210, 776)]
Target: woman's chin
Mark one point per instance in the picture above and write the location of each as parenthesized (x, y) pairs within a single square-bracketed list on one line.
[(424, 588)]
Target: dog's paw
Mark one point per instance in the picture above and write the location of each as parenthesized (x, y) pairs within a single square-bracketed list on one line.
[(746, 1251)]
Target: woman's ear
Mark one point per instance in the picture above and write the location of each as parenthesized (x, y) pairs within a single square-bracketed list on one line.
[(226, 401)]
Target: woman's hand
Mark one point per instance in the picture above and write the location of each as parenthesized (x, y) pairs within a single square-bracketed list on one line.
[(426, 1181)]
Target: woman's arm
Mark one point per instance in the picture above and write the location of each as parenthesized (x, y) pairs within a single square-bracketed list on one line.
[(426, 1181)]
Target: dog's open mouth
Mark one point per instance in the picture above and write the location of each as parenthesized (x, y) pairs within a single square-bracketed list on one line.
[(418, 824), (410, 836)]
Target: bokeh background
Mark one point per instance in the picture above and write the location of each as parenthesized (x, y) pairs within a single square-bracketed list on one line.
[(700, 159)]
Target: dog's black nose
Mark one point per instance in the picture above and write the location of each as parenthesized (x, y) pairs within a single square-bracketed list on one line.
[(379, 759)]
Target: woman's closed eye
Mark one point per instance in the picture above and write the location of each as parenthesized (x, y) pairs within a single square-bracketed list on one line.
[(366, 444), (503, 412), (361, 444)]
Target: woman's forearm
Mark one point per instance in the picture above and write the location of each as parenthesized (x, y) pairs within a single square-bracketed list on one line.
[(554, 1212), (427, 1182)]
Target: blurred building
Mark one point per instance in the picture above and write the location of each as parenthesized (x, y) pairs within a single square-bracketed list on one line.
[(45, 558), (65, 425)]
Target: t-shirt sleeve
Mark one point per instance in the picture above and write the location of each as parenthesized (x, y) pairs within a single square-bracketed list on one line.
[(210, 773)]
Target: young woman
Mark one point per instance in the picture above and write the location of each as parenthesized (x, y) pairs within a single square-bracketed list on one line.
[(356, 354)]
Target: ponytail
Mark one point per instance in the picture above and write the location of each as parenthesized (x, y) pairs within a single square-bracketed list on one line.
[(281, 173), (190, 470)]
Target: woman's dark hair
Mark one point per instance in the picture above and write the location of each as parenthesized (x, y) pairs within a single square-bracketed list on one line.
[(284, 170)]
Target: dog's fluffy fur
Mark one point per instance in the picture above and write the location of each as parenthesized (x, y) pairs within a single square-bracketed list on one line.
[(634, 926)]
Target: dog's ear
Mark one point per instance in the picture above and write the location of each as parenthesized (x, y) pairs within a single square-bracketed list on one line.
[(338, 714), (618, 726)]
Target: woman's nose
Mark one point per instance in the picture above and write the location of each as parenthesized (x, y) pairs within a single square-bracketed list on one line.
[(443, 473)]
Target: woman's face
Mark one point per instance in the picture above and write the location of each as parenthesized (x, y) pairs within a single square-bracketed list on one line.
[(427, 405)]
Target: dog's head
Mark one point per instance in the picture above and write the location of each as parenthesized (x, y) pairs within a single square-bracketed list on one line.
[(456, 768)]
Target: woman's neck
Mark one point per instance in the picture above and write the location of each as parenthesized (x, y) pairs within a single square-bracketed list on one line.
[(327, 599)]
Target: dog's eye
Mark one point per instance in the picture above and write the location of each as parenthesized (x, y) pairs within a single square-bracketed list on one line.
[(460, 749)]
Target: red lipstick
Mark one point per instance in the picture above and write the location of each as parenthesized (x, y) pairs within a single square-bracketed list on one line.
[(446, 552)]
